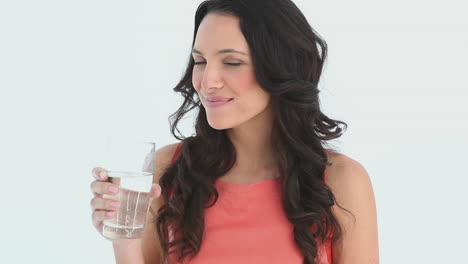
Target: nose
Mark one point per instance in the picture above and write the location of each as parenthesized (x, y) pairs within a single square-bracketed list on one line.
[(212, 79)]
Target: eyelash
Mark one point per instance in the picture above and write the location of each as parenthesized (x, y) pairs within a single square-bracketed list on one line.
[(230, 64)]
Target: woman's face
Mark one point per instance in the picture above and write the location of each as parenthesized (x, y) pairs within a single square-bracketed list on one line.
[(224, 72)]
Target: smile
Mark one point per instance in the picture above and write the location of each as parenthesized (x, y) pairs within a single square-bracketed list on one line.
[(217, 103)]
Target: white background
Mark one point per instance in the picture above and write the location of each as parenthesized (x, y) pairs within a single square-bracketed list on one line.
[(72, 72)]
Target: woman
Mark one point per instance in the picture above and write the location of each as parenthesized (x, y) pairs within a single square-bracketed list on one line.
[(255, 183)]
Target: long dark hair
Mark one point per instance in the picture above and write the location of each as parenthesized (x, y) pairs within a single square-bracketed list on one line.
[(288, 57)]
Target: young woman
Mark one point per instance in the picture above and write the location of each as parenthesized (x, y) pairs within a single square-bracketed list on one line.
[(255, 184)]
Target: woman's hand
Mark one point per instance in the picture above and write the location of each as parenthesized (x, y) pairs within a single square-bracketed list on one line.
[(103, 208)]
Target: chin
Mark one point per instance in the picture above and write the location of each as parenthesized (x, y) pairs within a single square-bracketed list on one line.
[(219, 124)]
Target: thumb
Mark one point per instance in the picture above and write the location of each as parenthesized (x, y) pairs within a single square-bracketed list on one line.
[(155, 191)]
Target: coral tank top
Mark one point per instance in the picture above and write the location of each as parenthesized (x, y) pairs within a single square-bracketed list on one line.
[(246, 225)]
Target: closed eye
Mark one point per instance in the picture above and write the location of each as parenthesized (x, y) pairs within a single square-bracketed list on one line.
[(230, 64)]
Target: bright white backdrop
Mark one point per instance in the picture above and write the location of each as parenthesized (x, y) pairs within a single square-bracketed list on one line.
[(73, 72)]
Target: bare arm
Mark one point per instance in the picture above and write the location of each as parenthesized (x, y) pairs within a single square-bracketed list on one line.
[(129, 252), (352, 188)]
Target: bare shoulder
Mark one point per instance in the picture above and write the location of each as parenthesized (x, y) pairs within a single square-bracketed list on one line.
[(345, 170), (163, 160), (350, 183)]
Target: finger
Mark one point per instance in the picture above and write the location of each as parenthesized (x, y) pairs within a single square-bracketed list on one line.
[(98, 226), (98, 203), (104, 188), (155, 191), (99, 174), (99, 216)]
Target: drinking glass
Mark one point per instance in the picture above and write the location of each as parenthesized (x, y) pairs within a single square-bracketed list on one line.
[(129, 162)]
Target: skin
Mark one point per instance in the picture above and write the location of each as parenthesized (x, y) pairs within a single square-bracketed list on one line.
[(250, 109), (248, 121)]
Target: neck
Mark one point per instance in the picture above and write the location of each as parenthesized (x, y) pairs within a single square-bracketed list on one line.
[(252, 141)]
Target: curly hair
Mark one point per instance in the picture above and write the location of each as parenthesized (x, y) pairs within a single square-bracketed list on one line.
[(288, 57)]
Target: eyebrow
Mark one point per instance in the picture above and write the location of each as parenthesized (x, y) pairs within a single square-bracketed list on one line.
[(221, 51)]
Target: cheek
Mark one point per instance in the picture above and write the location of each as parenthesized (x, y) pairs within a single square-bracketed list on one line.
[(251, 98), (241, 81), (196, 79)]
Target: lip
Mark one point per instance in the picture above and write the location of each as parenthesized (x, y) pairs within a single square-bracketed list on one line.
[(217, 101), (216, 98)]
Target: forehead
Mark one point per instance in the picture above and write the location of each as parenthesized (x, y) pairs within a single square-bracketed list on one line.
[(219, 31)]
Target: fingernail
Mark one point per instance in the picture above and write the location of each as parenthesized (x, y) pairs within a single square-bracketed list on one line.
[(102, 174), (113, 189)]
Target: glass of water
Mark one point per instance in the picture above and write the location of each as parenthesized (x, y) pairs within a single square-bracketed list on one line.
[(130, 163)]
